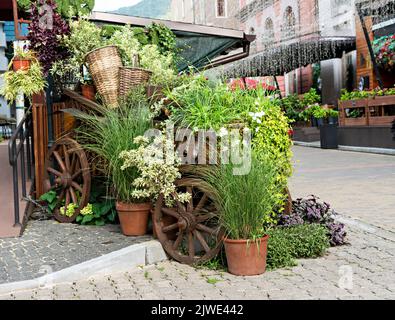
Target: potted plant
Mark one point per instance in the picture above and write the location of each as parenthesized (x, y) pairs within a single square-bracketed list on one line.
[(27, 82), (22, 59), (332, 116), (107, 136), (244, 214), (319, 114)]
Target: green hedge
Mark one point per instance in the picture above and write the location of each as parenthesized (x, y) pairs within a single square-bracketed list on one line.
[(289, 243)]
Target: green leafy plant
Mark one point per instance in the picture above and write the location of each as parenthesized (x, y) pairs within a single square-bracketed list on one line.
[(319, 113), (332, 113), (161, 36), (50, 199), (311, 97), (200, 104), (101, 207), (28, 82), (270, 129), (286, 244), (67, 8), (245, 215)]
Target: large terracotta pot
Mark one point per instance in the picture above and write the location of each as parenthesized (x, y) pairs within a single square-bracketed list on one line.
[(88, 91), (21, 64), (133, 217), (246, 258)]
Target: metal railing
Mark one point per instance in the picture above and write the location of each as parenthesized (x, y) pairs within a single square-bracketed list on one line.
[(21, 152)]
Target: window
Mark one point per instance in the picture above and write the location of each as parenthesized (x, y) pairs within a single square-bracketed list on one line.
[(289, 23), (268, 32), (221, 8)]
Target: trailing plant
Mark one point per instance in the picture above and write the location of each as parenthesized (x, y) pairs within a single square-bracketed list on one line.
[(110, 133), (286, 244), (45, 34), (28, 82), (161, 36), (311, 211), (247, 214), (271, 138)]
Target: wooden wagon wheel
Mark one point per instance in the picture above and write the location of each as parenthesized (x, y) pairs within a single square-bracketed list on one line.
[(67, 172), (189, 233)]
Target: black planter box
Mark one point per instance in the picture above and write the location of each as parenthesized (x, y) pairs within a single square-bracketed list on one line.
[(328, 136)]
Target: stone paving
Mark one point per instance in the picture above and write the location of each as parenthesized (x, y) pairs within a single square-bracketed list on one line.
[(364, 269), (50, 246), (360, 185)]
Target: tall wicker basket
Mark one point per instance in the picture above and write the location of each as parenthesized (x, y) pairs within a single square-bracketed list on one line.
[(130, 77), (104, 64)]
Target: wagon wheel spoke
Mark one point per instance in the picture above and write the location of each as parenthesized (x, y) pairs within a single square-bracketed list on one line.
[(206, 229), (66, 158), (73, 162), (204, 217), (191, 245), (177, 243), (171, 212), (202, 241), (73, 195), (180, 207), (201, 203), (170, 227), (76, 174), (54, 171), (76, 186), (59, 160)]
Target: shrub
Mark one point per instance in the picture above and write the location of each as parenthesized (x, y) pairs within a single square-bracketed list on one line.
[(289, 243), (312, 211)]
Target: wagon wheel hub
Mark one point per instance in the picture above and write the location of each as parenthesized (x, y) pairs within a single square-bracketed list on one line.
[(187, 221), (66, 180)]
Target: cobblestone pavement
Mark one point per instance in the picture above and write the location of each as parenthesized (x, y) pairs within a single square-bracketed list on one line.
[(360, 185), (362, 270), (51, 246)]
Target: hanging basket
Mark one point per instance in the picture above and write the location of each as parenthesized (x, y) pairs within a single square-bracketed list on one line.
[(104, 64), (131, 77)]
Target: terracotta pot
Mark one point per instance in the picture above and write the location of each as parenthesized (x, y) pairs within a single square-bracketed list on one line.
[(133, 217), (88, 91), (20, 64), (246, 258)]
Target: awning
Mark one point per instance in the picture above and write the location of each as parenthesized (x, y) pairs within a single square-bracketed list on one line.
[(199, 44), (287, 57)]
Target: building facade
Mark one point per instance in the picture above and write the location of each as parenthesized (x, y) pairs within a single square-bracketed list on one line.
[(281, 22)]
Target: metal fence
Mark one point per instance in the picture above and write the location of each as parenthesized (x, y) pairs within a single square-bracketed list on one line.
[(21, 154)]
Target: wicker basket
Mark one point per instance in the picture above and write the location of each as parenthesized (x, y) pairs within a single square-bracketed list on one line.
[(103, 64), (131, 77)]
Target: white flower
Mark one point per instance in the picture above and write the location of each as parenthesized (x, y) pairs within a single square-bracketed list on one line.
[(258, 121)]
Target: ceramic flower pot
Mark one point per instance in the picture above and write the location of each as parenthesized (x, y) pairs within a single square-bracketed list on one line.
[(88, 91), (133, 218), (21, 64), (246, 258)]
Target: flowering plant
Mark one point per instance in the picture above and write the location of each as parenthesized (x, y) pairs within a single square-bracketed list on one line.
[(157, 164), (384, 49)]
